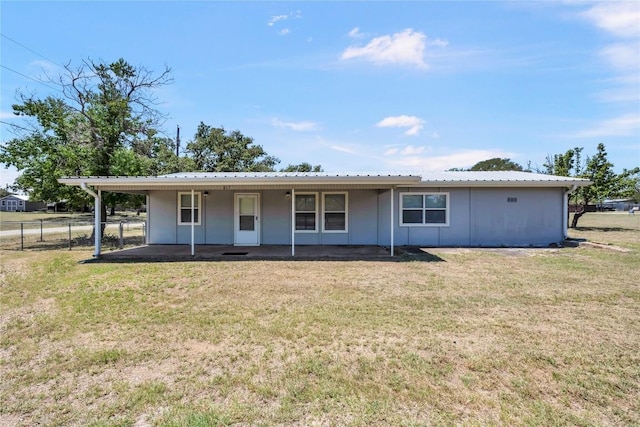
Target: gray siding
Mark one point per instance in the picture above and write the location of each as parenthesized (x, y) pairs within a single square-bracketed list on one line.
[(534, 219), (218, 217), (163, 217), (477, 217), (275, 223)]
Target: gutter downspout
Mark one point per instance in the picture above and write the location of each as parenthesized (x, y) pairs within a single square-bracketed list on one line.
[(97, 211), (565, 210)]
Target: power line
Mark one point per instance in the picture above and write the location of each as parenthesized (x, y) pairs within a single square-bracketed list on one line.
[(29, 49), (29, 77), (15, 126)]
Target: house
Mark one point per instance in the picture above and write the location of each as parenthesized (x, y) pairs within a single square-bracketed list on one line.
[(320, 208), (18, 203)]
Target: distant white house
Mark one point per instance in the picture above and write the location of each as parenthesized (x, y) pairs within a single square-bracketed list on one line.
[(19, 203)]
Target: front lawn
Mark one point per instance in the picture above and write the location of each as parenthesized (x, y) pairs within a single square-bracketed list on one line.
[(528, 337)]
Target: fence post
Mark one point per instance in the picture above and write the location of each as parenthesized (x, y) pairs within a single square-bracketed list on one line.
[(41, 239), (121, 235), (22, 236), (69, 236)]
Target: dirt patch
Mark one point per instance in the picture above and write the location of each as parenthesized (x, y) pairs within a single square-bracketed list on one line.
[(605, 246)]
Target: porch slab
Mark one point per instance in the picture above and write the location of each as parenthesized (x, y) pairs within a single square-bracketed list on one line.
[(169, 253)]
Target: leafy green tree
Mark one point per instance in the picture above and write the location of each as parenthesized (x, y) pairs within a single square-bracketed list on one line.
[(302, 167), (496, 164), (599, 170), (5, 192), (103, 108), (215, 150)]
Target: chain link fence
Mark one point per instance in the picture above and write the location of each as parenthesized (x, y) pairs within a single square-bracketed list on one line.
[(41, 235)]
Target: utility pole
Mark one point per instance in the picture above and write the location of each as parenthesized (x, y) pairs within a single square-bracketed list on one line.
[(178, 142)]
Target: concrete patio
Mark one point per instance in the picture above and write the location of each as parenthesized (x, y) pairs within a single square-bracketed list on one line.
[(168, 253)]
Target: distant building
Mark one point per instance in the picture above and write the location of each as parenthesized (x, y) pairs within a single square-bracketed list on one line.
[(618, 205), (18, 203)]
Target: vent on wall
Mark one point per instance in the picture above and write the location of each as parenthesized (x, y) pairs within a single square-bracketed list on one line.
[(512, 199)]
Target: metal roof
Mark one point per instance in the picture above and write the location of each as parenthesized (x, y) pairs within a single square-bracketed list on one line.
[(499, 179), (302, 180)]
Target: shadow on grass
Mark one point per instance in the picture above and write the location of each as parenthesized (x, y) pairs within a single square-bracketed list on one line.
[(414, 253), (603, 229)]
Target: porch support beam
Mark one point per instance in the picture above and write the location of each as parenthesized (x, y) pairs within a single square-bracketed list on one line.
[(193, 218), (391, 203), (293, 222), (97, 217), (147, 222)]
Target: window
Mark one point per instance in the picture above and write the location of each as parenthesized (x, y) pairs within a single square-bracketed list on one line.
[(334, 212), (306, 212), (184, 208), (424, 209)]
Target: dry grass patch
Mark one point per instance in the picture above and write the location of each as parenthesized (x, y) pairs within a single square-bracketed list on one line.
[(481, 338)]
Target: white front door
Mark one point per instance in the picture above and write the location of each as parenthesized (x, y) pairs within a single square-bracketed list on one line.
[(247, 220)]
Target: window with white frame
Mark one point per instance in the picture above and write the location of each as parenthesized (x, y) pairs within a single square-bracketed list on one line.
[(334, 212), (184, 208), (424, 209), (306, 211)]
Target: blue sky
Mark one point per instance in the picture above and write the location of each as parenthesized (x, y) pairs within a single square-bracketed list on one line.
[(359, 86)]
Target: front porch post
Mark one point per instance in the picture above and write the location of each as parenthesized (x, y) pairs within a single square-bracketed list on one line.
[(293, 222), (97, 208), (391, 221), (193, 217), (147, 228)]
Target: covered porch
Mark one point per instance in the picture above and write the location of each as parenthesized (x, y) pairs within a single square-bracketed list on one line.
[(176, 253), (259, 210)]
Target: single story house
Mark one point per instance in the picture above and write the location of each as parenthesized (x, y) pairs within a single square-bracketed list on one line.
[(321, 208), (19, 203)]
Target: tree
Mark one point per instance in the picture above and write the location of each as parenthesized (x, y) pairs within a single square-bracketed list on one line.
[(496, 164), (4, 192), (215, 150), (87, 130), (302, 167), (597, 169)]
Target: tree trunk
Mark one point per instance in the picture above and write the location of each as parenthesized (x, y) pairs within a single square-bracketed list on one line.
[(577, 215), (103, 223)]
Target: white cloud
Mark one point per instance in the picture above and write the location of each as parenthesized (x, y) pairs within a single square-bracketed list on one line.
[(623, 56), (626, 125), (415, 124), (303, 126), (403, 48), (459, 159), (276, 18), (621, 18), (354, 33), (410, 150), (343, 148)]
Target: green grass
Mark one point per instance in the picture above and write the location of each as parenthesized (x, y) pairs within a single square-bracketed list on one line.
[(487, 337)]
